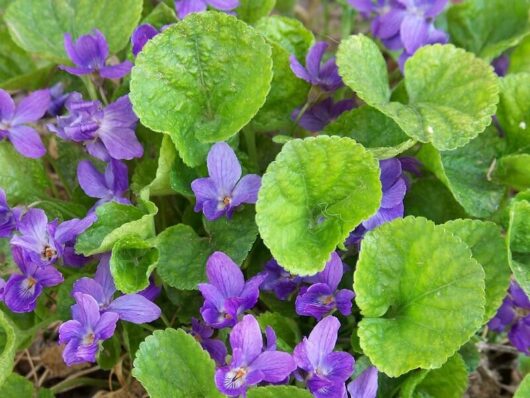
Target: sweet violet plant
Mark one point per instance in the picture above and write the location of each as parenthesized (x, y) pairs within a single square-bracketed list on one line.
[(223, 198)]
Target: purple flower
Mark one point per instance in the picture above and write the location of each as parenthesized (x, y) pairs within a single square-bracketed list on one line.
[(227, 295), (89, 54), (83, 334), (141, 35), (58, 99), (45, 242), (108, 133), (224, 190), (501, 64), (322, 298), (325, 76), (21, 292), (279, 281), (14, 122), (251, 365), (321, 114), (134, 308), (185, 7), (9, 217), (107, 187), (203, 334), (365, 385), (325, 371)]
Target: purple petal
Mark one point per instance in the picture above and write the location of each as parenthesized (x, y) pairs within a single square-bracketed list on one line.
[(116, 71), (75, 352), (21, 293), (7, 106), (388, 25), (86, 310), (344, 298), (518, 295), (200, 329), (276, 366), (271, 339), (70, 330), (92, 182), (224, 5), (338, 365), (75, 70), (213, 209), (204, 190), (121, 142), (322, 387), (212, 294), (414, 32), (227, 383), (395, 194), (104, 277), (106, 325), (317, 301), (322, 339), (436, 7), (216, 349), (27, 141), (185, 7), (363, 6), (141, 35), (384, 215), (301, 358), (519, 335), (34, 224), (135, 308), (332, 273), (246, 190), (329, 76), (314, 58), (91, 287), (223, 167), (117, 177), (70, 229), (246, 336), (250, 292), (32, 108), (390, 172), (298, 69), (225, 275), (365, 385), (48, 276), (89, 50)]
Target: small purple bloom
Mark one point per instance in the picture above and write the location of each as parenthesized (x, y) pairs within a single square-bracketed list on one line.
[(224, 190), (21, 292), (89, 55), (324, 371), (134, 308), (279, 281), (14, 122), (152, 291), (501, 64), (107, 187), (45, 242), (227, 295), (108, 133), (9, 217), (58, 99), (141, 35), (214, 347), (185, 7), (365, 385), (321, 114), (322, 298), (83, 334), (251, 365), (325, 76)]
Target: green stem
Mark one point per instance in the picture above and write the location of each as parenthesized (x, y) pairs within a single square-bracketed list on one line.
[(346, 21), (165, 320), (68, 385), (250, 140), (90, 88)]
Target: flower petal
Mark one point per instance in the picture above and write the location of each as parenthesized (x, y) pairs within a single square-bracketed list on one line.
[(246, 190), (322, 339), (225, 275), (332, 273), (414, 32), (86, 310), (246, 336), (21, 293), (365, 385), (7, 106), (338, 365), (298, 69), (276, 366), (141, 35), (91, 180), (223, 167), (314, 58), (313, 301), (48, 276), (91, 287), (204, 190), (32, 108), (27, 141), (116, 71), (135, 308), (70, 330), (106, 325)]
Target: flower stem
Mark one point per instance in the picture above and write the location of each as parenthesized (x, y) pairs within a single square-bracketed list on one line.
[(250, 140)]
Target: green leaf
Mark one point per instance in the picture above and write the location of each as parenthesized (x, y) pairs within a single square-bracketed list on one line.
[(452, 94), (518, 242), (487, 245), (17, 386), (278, 392), (161, 184), (251, 11), (161, 15), (183, 253), (110, 354), (312, 196), (449, 381), (514, 111), (520, 58), (524, 388), (374, 130), (8, 349), (514, 171), (488, 27), (286, 329), (289, 33), (470, 354), (181, 177), (418, 283), (205, 78), (132, 262), (171, 363), (38, 26), (13, 60), (467, 172), (115, 221), (24, 180)]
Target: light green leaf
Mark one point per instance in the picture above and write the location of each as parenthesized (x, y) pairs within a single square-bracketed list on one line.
[(132, 262), (161, 15), (201, 81), (181, 177), (524, 388), (17, 386), (161, 184), (289, 33), (13, 60), (24, 180), (109, 355), (518, 242), (286, 329), (7, 356), (312, 196), (487, 245), (467, 172), (514, 111), (278, 392), (251, 11), (38, 26), (520, 58), (115, 221), (374, 130), (171, 363), (514, 171), (488, 27), (449, 381), (452, 94), (418, 283), (183, 253)]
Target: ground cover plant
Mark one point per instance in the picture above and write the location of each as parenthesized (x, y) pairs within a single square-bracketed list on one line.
[(264, 198)]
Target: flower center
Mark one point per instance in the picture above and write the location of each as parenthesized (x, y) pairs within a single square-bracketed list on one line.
[(327, 300), (227, 200), (235, 378), (28, 286), (48, 253), (89, 338)]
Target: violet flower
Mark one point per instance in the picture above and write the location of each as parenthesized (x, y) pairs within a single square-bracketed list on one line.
[(141, 35), (108, 133), (324, 76), (58, 99), (9, 217), (322, 298), (324, 371), (89, 55), (14, 122), (21, 291), (185, 7), (279, 281), (227, 295), (83, 334), (133, 308), (107, 187), (224, 190), (203, 334), (511, 315), (321, 114), (251, 365), (501, 64), (365, 385), (45, 242)]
